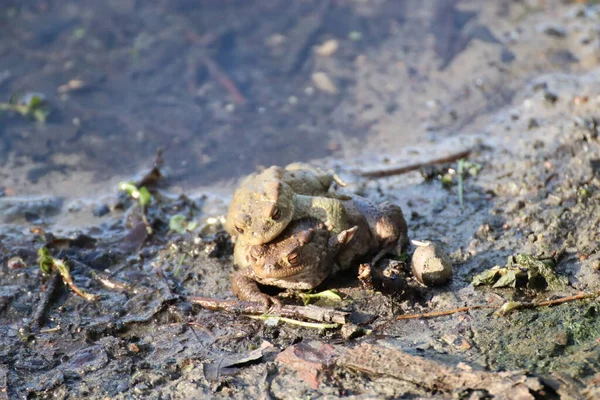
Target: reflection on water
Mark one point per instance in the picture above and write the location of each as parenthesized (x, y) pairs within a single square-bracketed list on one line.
[(225, 86)]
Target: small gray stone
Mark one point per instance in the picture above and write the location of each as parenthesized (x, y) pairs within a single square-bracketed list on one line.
[(430, 264), (553, 30), (351, 331)]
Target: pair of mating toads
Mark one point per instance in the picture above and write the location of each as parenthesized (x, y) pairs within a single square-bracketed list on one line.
[(294, 230)]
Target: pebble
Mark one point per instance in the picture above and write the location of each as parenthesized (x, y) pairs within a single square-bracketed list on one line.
[(101, 210), (550, 97), (351, 331), (324, 83), (553, 30), (16, 263), (328, 48), (430, 264)]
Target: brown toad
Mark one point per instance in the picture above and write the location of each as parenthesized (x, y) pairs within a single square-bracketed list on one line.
[(265, 203), (300, 258), (306, 253)]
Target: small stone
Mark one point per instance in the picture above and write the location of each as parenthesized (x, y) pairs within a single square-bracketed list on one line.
[(309, 359), (532, 123), (550, 97), (351, 331), (328, 48), (596, 265), (16, 263), (553, 30), (355, 36), (101, 210), (324, 83), (430, 264)]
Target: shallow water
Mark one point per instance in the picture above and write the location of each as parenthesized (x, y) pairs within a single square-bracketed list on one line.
[(224, 87)]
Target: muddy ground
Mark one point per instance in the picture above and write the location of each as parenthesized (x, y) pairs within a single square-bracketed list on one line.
[(524, 99)]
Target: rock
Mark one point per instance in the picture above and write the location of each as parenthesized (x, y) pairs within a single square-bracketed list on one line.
[(553, 30), (324, 83), (101, 210), (351, 331), (18, 210), (327, 48), (309, 359), (430, 264)]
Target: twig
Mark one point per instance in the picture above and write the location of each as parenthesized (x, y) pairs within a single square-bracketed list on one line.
[(105, 280), (461, 164), (224, 80), (517, 305), (310, 312), (214, 70), (315, 325), (49, 330), (445, 312), (40, 312), (547, 303), (413, 167)]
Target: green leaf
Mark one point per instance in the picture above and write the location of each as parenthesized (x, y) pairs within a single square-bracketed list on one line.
[(145, 197), (330, 295), (41, 114), (127, 187), (543, 267), (509, 279), (142, 195), (508, 307), (487, 277), (62, 268), (403, 257), (35, 102), (447, 180), (45, 260), (79, 33), (178, 223), (472, 168)]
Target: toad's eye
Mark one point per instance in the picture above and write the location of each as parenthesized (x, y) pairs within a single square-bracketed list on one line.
[(275, 213), (257, 252), (294, 258), (240, 230)]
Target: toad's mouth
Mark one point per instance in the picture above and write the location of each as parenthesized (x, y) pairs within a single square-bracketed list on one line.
[(275, 272)]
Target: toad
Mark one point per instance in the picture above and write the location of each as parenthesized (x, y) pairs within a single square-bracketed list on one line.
[(300, 258), (266, 202), (306, 253)]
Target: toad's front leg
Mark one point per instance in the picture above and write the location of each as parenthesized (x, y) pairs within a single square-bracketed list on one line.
[(328, 210), (246, 288)]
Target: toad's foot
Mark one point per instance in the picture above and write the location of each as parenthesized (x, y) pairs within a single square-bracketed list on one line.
[(246, 288)]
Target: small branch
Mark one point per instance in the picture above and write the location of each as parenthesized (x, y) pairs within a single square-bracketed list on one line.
[(579, 296), (224, 80), (546, 303), (315, 325), (68, 280), (40, 312), (104, 279), (312, 313), (413, 167), (445, 312)]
